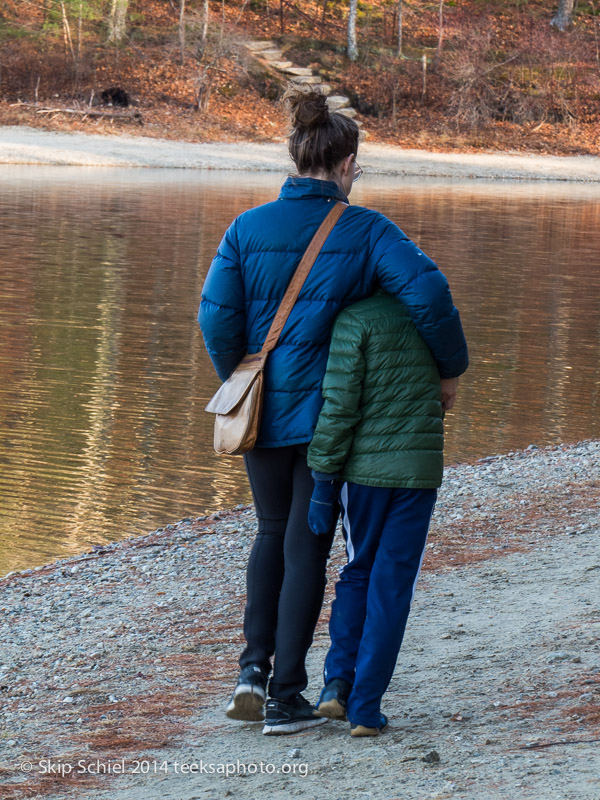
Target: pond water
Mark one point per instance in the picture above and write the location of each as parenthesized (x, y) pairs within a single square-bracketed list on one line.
[(104, 377)]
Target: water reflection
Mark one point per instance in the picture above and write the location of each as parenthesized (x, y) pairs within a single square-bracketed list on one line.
[(103, 375)]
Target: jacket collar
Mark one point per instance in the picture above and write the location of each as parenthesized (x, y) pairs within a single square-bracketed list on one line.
[(298, 188)]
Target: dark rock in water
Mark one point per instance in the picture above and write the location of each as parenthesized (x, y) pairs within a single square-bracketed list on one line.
[(115, 96)]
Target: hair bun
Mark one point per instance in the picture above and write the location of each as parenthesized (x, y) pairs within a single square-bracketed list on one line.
[(308, 107)]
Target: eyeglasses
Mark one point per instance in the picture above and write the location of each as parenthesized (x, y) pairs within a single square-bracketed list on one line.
[(358, 171)]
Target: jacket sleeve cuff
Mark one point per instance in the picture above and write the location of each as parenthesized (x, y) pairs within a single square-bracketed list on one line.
[(325, 476)]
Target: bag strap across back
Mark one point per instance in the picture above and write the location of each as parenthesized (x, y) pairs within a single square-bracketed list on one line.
[(300, 275)]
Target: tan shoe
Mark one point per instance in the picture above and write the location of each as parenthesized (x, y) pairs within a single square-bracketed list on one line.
[(332, 703), (363, 730)]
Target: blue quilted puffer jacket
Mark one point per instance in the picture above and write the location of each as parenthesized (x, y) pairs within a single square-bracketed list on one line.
[(250, 273)]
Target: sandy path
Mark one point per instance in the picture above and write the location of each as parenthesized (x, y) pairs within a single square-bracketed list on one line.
[(22, 145), (478, 682), (127, 654)]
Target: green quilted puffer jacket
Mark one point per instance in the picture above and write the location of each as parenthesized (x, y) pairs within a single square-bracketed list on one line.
[(381, 421)]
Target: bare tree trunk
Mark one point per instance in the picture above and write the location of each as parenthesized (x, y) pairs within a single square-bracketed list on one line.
[(242, 9), (352, 44), (204, 89), (117, 21), (593, 5), (564, 15), (79, 25), (67, 32), (438, 51), (203, 29), (322, 29), (182, 31), (395, 88), (399, 48)]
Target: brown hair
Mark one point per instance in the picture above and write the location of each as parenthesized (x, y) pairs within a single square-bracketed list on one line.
[(320, 139)]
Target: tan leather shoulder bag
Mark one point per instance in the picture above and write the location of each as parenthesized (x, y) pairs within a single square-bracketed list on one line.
[(238, 403)]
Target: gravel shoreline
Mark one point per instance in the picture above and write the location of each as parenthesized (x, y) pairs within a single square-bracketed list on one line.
[(24, 145), (120, 660)]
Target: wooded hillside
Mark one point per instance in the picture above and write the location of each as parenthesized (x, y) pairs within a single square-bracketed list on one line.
[(438, 74)]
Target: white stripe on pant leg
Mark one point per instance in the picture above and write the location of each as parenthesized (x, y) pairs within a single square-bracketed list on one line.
[(422, 555), (346, 522)]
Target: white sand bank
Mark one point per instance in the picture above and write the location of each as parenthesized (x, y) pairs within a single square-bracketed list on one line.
[(23, 145)]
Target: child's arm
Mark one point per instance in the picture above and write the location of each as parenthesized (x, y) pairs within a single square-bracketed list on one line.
[(342, 388)]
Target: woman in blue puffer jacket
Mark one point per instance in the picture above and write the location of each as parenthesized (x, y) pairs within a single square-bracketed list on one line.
[(243, 289)]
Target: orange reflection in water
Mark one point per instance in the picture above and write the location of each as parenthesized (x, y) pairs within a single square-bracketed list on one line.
[(104, 377)]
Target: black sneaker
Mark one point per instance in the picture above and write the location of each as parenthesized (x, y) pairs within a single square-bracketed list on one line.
[(249, 696), (290, 717), (334, 697)]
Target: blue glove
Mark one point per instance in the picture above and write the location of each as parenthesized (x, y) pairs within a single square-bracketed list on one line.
[(324, 506)]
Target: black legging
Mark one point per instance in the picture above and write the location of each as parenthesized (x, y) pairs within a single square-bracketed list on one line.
[(286, 570)]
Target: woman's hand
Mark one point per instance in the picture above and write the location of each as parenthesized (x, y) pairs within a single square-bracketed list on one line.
[(449, 389)]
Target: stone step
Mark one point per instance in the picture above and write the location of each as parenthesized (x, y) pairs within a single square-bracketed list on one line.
[(325, 88), (281, 65), (347, 112), (271, 55), (258, 46), (337, 101), (299, 71), (312, 80)]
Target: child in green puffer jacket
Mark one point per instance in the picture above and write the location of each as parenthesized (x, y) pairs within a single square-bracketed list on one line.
[(380, 431)]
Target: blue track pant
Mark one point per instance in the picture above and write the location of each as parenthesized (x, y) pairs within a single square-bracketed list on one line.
[(385, 532)]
